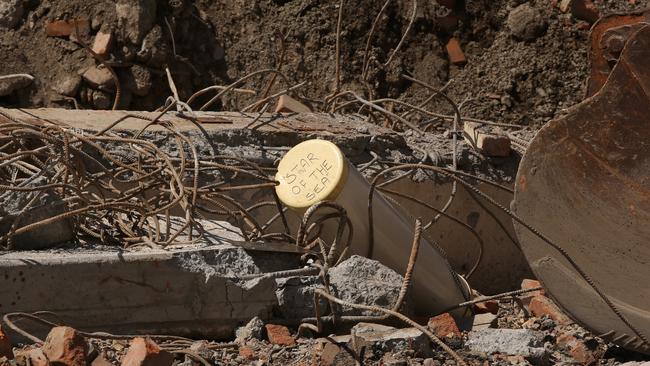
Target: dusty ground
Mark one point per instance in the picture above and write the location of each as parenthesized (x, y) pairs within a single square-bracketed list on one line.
[(217, 41)]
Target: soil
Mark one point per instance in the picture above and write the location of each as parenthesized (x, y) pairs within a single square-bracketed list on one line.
[(211, 42)]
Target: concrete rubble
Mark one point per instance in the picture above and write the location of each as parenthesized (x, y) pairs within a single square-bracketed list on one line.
[(523, 342), (357, 279), (140, 219), (218, 289)]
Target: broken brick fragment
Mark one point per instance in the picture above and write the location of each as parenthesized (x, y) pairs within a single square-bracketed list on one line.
[(280, 335), (528, 284), (65, 28), (6, 348), (542, 305), (103, 43), (444, 326), (486, 142), (286, 104), (455, 52), (145, 352), (247, 353), (66, 347)]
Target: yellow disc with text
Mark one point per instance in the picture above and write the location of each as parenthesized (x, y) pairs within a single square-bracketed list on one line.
[(312, 171)]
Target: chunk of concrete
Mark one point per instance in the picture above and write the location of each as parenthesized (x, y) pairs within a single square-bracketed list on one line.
[(188, 291), (31, 356), (484, 321), (11, 83), (67, 85), (98, 77), (385, 338), (135, 18), (254, 329), (365, 281), (295, 296), (137, 79), (523, 342), (65, 346), (47, 204), (357, 279), (526, 23)]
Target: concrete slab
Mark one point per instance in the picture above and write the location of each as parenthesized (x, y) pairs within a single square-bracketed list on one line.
[(192, 291)]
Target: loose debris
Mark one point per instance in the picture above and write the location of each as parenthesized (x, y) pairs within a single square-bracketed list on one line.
[(121, 190), (516, 337)]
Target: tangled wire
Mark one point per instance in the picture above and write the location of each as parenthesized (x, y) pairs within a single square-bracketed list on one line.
[(123, 189)]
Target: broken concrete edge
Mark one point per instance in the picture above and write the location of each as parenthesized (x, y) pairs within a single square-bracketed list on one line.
[(190, 292), (232, 130), (230, 133), (184, 292)]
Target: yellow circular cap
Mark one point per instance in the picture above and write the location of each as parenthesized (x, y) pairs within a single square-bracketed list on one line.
[(312, 171)]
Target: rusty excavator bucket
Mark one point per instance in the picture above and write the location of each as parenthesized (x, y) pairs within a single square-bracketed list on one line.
[(584, 185)]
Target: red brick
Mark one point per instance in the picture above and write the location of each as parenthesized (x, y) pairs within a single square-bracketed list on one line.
[(145, 352), (64, 28), (581, 353), (542, 305), (578, 349), (279, 334), (103, 43), (6, 348), (286, 104), (444, 326), (64, 346), (488, 143), (585, 10), (527, 284), (455, 52), (247, 353)]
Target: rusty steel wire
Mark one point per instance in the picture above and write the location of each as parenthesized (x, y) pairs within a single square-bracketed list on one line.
[(123, 189)]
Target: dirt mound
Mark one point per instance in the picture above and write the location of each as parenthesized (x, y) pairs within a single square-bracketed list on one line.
[(506, 78)]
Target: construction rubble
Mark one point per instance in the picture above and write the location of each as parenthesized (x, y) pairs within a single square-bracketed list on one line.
[(334, 182)]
